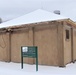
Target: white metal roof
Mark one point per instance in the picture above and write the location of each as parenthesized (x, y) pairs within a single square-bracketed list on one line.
[(33, 17)]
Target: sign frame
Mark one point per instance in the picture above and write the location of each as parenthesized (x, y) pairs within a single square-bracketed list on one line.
[(30, 52)]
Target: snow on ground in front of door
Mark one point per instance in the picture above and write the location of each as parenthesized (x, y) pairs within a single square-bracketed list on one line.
[(15, 69)]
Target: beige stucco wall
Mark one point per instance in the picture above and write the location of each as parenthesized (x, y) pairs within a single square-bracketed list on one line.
[(53, 48), (18, 39), (67, 45), (3, 47), (45, 37), (74, 44)]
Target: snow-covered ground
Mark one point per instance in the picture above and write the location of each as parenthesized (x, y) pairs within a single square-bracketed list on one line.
[(15, 69)]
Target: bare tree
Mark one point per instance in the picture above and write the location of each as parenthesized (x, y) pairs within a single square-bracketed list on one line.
[(0, 20)]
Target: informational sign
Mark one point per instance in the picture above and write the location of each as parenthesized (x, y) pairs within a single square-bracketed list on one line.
[(30, 52)]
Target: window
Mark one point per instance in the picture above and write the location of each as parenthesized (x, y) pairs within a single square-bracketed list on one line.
[(67, 34)]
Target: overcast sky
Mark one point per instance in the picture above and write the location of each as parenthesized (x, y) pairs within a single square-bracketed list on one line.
[(14, 8)]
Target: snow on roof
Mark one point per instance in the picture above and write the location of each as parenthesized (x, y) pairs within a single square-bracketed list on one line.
[(33, 17)]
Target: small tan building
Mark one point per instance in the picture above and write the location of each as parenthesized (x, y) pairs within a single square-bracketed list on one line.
[(54, 35)]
